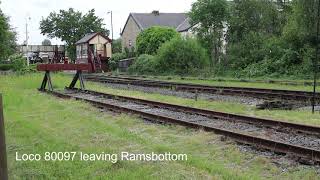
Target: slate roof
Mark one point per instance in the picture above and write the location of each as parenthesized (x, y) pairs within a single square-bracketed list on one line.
[(89, 36), (86, 38), (178, 21), (184, 26)]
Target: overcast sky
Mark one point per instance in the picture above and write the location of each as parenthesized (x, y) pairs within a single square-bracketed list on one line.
[(18, 10)]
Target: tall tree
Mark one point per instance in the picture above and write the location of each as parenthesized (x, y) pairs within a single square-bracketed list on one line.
[(7, 37), (300, 33), (302, 26), (209, 17), (259, 16), (70, 26), (251, 24), (46, 42)]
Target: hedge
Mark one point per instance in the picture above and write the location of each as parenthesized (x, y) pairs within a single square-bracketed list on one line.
[(6, 67)]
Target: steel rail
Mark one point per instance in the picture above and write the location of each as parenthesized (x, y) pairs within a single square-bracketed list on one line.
[(252, 92), (222, 91), (276, 146), (200, 85), (268, 81), (215, 114)]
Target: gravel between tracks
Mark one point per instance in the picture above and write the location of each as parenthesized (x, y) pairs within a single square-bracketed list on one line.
[(189, 95), (282, 135)]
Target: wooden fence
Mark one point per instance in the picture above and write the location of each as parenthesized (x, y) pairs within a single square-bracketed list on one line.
[(3, 154)]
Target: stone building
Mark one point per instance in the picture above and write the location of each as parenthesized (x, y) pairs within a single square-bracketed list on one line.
[(138, 22)]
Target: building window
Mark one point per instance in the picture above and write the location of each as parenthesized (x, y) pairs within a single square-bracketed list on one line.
[(84, 50), (78, 51)]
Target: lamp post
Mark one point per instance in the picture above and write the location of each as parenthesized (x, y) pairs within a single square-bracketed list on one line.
[(110, 12), (316, 60)]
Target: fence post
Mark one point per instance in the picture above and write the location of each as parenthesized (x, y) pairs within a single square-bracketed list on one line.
[(196, 95), (3, 154)]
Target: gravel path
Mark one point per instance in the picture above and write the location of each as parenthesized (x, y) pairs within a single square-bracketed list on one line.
[(283, 135)]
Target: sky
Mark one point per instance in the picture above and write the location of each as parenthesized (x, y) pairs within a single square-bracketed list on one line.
[(19, 10)]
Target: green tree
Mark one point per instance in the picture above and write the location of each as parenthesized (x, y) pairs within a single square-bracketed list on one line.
[(7, 37), (210, 15), (252, 23), (301, 30), (70, 26), (149, 40), (301, 27), (259, 16), (46, 42)]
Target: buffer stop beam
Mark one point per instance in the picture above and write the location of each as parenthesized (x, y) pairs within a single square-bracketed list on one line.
[(47, 68)]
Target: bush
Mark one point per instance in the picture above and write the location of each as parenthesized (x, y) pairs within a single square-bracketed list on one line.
[(15, 63), (144, 64), (149, 40), (247, 51), (116, 46), (18, 62), (32, 68), (6, 67), (308, 57), (181, 56), (130, 52), (279, 60), (116, 57)]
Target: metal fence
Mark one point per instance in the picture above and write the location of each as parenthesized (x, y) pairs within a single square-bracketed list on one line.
[(41, 48), (124, 64)]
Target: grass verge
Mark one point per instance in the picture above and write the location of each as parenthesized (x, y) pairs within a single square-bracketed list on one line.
[(39, 123)]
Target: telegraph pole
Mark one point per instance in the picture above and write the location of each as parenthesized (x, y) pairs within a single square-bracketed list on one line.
[(110, 12), (27, 38), (316, 60), (27, 42), (111, 26)]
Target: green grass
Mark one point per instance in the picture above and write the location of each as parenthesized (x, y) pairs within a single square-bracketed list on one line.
[(37, 123)]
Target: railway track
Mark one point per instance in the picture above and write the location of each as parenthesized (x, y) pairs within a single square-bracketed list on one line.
[(268, 81), (223, 90), (302, 141)]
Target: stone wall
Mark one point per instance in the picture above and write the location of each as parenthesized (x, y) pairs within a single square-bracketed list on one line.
[(130, 34)]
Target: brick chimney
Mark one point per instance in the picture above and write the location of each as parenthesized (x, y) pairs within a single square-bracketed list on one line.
[(155, 12)]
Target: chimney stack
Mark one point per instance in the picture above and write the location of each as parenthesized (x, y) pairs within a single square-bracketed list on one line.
[(155, 12)]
